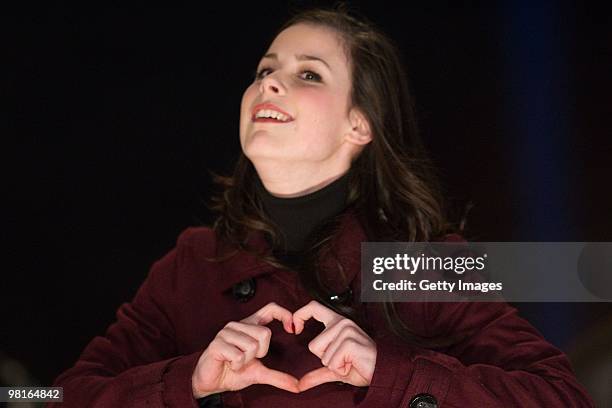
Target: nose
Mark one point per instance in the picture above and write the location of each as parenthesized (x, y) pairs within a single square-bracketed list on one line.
[(271, 84)]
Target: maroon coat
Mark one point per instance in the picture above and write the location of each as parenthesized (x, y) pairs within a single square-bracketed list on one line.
[(148, 355)]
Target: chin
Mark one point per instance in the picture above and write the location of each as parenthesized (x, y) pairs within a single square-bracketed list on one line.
[(262, 147)]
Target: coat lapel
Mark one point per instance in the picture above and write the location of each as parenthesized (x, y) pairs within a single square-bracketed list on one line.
[(340, 263), (244, 265)]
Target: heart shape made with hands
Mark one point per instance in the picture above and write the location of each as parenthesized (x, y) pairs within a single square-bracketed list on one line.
[(346, 352)]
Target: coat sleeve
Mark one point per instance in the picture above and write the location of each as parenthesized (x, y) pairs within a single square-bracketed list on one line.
[(136, 363), (504, 362)]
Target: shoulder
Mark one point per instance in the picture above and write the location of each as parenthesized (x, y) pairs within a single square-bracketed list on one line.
[(196, 243), (183, 264)]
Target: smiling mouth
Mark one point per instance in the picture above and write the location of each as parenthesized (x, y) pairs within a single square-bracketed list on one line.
[(270, 120), (270, 113)]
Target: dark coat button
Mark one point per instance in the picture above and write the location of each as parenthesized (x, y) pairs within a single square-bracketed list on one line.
[(244, 291), (423, 401), (343, 298)]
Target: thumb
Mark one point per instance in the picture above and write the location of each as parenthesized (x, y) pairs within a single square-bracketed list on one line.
[(275, 378), (318, 377)]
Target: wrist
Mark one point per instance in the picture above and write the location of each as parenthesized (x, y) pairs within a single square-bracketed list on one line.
[(197, 394)]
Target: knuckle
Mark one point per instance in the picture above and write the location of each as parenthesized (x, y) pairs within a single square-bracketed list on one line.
[(237, 357), (266, 332), (343, 325), (252, 344), (261, 352), (221, 337), (350, 343), (343, 322), (265, 310), (350, 330), (214, 344), (349, 323)]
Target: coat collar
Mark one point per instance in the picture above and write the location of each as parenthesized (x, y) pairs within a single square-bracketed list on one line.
[(346, 246)]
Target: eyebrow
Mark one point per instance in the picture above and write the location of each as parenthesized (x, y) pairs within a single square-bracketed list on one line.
[(300, 57)]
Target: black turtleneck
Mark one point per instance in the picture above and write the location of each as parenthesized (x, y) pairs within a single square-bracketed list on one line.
[(297, 217)]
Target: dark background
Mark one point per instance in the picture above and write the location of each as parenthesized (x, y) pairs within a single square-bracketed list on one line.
[(115, 116)]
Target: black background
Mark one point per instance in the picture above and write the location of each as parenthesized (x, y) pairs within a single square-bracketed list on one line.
[(115, 116)]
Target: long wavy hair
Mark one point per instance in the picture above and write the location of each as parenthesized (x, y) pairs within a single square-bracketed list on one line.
[(393, 187)]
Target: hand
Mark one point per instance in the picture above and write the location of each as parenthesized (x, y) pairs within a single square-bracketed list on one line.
[(347, 353), (231, 360)]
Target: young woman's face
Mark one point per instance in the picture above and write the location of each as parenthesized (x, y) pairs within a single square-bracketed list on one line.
[(306, 76)]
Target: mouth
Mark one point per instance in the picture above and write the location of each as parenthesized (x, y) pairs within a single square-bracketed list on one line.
[(270, 113), (269, 120)]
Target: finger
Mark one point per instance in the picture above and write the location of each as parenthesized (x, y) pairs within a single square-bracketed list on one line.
[(314, 310), (246, 343), (319, 345), (270, 312), (347, 365), (224, 351), (261, 334), (278, 379), (346, 332), (341, 364), (317, 377)]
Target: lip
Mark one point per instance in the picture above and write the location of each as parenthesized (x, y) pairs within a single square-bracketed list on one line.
[(269, 106)]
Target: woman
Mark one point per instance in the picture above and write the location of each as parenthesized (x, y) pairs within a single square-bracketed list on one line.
[(263, 309)]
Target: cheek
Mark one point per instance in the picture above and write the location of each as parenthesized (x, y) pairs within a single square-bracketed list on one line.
[(247, 99), (316, 99), (325, 112), (245, 107)]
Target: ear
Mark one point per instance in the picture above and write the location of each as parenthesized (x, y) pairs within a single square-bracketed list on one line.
[(359, 132)]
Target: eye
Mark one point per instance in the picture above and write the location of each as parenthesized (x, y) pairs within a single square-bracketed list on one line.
[(306, 75), (261, 73), (311, 76)]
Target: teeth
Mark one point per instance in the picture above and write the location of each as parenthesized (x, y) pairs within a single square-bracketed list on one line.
[(267, 113)]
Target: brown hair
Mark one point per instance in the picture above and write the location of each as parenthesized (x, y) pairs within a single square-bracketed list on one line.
[(392, 184)]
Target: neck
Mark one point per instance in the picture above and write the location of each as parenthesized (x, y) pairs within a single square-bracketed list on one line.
[(295, 180), (298, 216)]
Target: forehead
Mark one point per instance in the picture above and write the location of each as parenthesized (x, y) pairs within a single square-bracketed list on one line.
[(310, 39)]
